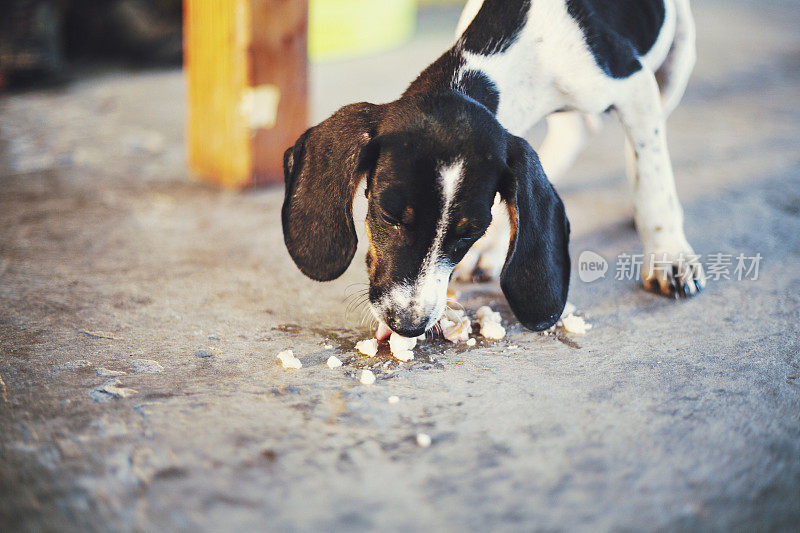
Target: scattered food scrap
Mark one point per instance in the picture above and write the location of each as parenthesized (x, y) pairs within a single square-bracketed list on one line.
[(288, 360), (485, 313), (333, 362), (328, 347), (398, 343), (367, 377), (471, 342), (394, 399), (575, 324), (491, 323), (493, 330), (423, 440), (368, 347), (456, 326), (401, 347), (404, 356)]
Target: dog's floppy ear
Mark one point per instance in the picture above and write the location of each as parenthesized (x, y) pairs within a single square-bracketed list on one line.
[(322, 172), (535, 278)]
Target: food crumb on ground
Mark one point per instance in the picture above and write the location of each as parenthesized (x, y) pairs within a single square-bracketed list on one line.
[(288, 360), (333, 362), (456, 326), (368, 347), (404, 356), (485, 314), (367, 377), (471, 342), (575, 324), (423, 440), (493, 330), (398, 343), (394, 399), (328, 346), (491, 323)]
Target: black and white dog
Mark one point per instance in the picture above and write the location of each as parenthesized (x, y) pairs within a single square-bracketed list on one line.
[(435, 159)]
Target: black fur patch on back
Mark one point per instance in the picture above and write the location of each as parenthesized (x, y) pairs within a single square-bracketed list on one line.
[(496, 26), (480, 88), (438, 76), (618, 31)]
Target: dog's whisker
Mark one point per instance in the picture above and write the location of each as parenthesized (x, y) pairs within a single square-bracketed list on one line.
[(357, 294), (461, 307)]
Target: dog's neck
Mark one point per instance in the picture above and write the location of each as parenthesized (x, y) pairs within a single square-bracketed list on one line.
[(447, 74)]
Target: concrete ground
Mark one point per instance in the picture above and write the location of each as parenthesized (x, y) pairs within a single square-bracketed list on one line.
[(665, 416)]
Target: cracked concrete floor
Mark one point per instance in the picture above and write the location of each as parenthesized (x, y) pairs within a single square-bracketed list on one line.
[(114, 265)]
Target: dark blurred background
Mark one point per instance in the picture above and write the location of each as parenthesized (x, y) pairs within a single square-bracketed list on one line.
[(41, 41)]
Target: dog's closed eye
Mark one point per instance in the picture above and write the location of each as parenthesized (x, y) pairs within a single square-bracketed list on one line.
[(404, 218)]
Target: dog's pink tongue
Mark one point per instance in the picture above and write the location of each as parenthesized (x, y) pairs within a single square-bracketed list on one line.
[(383, 331)]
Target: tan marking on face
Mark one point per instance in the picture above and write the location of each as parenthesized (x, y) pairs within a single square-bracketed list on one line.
[(372, 251), (462, 226), (408, 216)]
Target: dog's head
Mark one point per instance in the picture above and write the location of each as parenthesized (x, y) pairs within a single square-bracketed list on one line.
[(433, 165)]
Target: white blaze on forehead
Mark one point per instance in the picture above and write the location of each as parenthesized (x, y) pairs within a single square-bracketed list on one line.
[(428, 293), (450, 177)]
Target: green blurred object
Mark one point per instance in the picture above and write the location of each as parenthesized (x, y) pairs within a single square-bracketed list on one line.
[(339, 29)]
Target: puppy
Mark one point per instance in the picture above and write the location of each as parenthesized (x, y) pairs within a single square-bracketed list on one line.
[(436, 159)]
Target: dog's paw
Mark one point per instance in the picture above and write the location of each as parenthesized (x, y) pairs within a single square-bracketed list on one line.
[(679, 275)]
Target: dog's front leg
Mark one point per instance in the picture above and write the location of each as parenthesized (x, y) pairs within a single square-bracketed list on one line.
[(567, 133), (669, 264), (485, 260)]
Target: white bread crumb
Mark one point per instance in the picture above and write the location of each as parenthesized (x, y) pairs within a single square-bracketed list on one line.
[(490, 321), (576, 324), (423, 439), (368, 347), (398, 343), (367, 377), (333, 362), (471, 342), (485, 314), (405, 355), (394, 399), (288, 360), (459, 330), (493, 330)]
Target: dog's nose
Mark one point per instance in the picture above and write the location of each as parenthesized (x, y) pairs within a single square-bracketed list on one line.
[(404, 325), (408, 332)]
